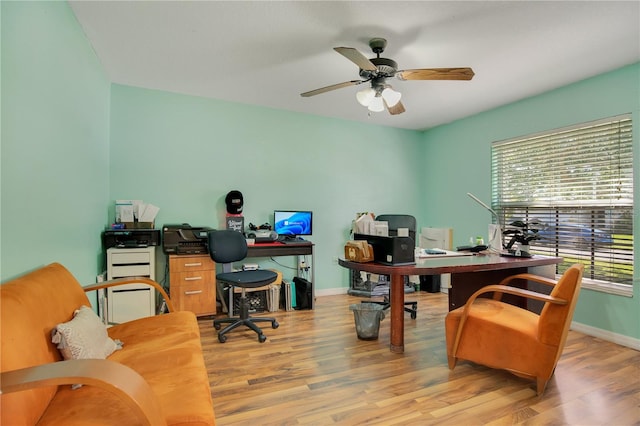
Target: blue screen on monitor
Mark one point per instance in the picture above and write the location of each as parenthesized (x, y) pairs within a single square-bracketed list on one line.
[(293, 222)]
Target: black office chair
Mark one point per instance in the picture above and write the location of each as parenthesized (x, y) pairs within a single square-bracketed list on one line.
[(395, 221), (226, 247)]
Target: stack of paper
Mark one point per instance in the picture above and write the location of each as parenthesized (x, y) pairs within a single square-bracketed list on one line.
[(124, 211), (273, 298), (135, 211), (380, 290), (287, 296), (148, 213)]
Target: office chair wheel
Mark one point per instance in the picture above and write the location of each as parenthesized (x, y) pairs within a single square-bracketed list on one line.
[(217, 326), (222, 338), (262, 338), (414, 315), (275, 324)]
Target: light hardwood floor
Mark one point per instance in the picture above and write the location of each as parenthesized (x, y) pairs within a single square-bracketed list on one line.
[(313, 370)]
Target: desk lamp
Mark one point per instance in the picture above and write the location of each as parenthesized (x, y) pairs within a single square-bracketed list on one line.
[(495, 230)]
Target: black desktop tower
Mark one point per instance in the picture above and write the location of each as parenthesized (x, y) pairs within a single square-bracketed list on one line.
[(430, 283), (303, 293)]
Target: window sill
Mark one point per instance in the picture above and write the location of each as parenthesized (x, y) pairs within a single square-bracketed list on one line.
[(608, 287)]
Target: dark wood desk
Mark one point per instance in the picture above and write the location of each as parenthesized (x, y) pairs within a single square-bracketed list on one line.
[(280, 249), (468, 274)]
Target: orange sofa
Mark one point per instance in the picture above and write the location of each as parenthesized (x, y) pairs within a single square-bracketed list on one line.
[(157, 378)]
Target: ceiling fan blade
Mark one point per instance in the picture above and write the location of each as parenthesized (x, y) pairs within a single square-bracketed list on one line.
[(356, 57), (436, 74), (330, 88), (396, 109)]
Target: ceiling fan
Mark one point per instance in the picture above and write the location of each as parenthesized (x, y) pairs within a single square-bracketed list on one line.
[(377, 70)]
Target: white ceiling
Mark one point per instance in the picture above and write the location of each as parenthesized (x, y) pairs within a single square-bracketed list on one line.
[(268, 52)]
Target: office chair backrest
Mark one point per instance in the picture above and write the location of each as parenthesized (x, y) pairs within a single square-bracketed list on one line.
[(227, 246), (396, 221)]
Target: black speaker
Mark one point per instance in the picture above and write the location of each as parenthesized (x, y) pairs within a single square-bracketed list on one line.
[(303, 293), (430, 283)]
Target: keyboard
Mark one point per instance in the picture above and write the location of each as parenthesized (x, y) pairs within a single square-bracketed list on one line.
[(434, 251), (292, 241)]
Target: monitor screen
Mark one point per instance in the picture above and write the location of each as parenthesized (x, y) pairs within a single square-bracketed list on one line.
[(291, 222)]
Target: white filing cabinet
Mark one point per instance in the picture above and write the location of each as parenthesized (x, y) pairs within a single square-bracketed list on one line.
[(131, 301)]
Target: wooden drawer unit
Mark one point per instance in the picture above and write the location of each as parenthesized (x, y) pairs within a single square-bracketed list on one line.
[(192, 283)]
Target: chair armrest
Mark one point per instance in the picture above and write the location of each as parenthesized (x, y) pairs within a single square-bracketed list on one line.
[(132, 280), (115, 378), (529, 277), (499, 289)]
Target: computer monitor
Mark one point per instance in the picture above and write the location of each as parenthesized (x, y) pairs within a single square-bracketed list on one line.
[(293, 222)]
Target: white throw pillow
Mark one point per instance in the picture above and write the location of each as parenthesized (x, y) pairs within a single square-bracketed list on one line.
[(84, 337)]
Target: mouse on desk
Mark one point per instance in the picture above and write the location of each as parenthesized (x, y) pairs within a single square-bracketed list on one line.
[(473, 249)]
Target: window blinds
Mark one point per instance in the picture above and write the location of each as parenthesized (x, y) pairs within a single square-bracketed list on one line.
[(576, 186)]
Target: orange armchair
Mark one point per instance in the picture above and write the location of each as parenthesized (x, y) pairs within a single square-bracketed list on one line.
[(503, 336)]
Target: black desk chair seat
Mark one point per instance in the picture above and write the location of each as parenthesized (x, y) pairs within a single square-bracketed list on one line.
[(226, 247)]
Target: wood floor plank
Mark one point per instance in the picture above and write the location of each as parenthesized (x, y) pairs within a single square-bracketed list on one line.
[(313, 370)]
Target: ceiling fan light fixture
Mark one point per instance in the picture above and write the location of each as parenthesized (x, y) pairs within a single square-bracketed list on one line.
[(391, 97), (377, 70), (376, 104), (365, 96)]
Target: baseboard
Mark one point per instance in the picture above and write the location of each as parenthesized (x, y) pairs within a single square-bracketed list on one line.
[(331, 291), (609, 336)]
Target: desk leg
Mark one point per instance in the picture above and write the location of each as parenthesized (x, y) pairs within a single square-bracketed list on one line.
[(313, 278), (397, 313)]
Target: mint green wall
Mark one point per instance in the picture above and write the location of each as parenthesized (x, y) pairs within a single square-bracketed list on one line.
[(184, 153), (55, 138), (457, 160), (65, 156)]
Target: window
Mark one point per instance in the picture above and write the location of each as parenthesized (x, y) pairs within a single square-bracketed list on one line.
[(575, 186)]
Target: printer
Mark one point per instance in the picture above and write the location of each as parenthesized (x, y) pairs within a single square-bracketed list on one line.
[(393, 251), (130, 238), (185, 239)]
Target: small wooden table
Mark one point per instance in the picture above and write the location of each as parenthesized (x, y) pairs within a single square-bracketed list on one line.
[(468, 274)]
